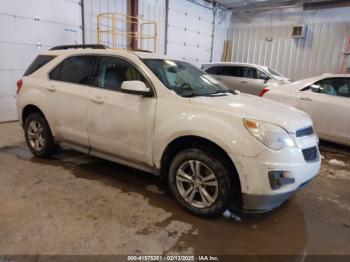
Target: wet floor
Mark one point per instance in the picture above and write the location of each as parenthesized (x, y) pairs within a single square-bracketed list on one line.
[(76, 204)]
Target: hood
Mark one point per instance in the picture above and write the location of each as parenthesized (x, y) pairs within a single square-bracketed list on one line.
[(272, 83), (248, 106), (281, 79)]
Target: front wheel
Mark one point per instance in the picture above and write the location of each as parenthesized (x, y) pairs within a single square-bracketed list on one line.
[(199, 182)]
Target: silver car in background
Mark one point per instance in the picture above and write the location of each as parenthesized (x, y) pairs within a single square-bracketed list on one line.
[(247, 78)]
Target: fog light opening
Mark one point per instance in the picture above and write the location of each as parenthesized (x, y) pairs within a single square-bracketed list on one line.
[(278, 180)]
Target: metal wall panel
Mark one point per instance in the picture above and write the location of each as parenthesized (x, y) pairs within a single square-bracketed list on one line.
[(94, 7), (190, 31), (222, 25), (154, 10), (26, 28), (320, 51)]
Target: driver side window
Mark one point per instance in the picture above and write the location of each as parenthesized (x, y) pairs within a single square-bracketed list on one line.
[(262, 75), (112, 72), (333, 87)]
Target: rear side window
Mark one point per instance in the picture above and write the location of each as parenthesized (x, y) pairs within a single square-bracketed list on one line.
[(212, 70), (232, 71), (76, 69), (39, 62)]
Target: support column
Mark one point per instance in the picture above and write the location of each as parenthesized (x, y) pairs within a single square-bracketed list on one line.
[(133, 10)]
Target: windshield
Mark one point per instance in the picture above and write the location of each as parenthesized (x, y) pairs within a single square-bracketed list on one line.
[(185, 79), (275, 73)]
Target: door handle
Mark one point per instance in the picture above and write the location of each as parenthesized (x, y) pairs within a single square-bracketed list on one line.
[(305, 99), (51, 88), (244, 82), (97, 100)]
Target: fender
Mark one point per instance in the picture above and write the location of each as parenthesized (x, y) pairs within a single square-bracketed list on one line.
[(34, 96)]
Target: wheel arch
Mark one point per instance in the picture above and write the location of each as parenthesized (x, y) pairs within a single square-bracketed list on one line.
[(183, 142), (29, 109)]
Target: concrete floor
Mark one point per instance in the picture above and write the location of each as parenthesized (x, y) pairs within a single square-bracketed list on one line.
[(75, 204)]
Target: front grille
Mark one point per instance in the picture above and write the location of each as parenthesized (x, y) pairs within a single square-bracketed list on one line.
[(310, 154), (307, 131)]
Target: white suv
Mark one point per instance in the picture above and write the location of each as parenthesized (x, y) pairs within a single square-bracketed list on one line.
[(215, 148), (247, 78)]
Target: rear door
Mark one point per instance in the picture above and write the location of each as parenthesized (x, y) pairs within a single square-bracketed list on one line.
[(121, 125), (67, 96), (329, 107)]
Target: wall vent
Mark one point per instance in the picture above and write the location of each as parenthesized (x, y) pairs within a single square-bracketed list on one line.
[(298, 31)]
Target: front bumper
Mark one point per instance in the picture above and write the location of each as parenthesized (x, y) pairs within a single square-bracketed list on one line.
[(265, 203), (261, 193)]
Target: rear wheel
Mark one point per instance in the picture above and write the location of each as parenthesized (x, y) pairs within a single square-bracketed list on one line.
[(199, 182), (38, 136)]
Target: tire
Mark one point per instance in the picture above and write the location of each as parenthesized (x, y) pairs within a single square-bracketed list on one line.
[(38, 136), (211, 172)]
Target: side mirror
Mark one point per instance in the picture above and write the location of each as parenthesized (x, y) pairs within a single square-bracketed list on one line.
[(265, 78), (135, 87), (315, 88)]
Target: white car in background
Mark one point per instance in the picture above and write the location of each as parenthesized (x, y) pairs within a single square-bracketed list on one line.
[(326, 99), (247, 78)]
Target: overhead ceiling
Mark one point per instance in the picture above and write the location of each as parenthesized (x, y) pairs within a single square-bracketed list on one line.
[(250, 4), (266, 4)]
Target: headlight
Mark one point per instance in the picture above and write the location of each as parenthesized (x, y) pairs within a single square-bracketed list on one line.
[(272, 136)]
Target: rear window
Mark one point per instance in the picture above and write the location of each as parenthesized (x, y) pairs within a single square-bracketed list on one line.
[(76, 69), (39, 62)]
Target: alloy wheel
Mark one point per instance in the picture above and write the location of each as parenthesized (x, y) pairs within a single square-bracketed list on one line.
[(197, 184), (35, 134)]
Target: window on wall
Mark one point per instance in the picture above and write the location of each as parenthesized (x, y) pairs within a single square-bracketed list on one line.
[(76, 69), (114, 71)]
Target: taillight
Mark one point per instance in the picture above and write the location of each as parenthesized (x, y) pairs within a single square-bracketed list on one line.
[(19, 85), (266, 89)]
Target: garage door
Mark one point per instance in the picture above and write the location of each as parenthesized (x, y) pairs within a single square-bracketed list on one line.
[(190, 29), (26, 28)]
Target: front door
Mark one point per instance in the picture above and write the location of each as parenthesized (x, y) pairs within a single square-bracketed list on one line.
[(120, 124), (328, 104)]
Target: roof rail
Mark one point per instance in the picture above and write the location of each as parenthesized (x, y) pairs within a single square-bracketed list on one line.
[(65, 47), (140, 50)]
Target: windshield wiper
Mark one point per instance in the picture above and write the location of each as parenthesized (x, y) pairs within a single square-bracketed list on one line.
[(190, 94)]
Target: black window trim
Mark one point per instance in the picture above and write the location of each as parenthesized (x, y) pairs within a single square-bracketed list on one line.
[(40, 67), (153, 92), (66, 58)]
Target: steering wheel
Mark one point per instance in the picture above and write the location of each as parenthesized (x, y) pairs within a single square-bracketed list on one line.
[(186, 86)]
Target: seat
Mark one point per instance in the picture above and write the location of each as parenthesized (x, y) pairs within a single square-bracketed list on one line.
[(131, 74), (111, 79), (329, 90)]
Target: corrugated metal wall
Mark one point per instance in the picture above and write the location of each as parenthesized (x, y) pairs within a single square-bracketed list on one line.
[(319, 52)]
